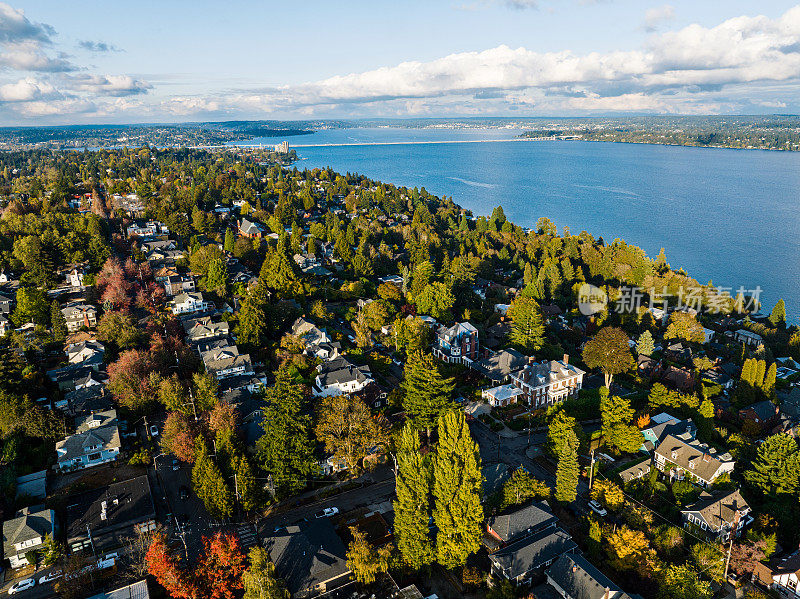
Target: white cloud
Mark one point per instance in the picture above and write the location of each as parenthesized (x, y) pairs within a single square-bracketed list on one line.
[(26, 90), (658, 15), (15, 27), (109, 85)]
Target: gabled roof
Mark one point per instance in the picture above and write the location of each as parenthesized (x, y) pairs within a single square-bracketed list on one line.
[(521, 521), (720, 509), (105, 435), (341, 371), (307, 555), (532, 552), (581, 580), (27, 524), (688, 451), (500, 364)]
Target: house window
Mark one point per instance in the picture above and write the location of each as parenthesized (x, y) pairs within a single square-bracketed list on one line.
[(94, 456)]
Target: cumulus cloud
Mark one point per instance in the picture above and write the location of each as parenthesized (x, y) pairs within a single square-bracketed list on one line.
[(27, 90), (16, 27), (108, 85)]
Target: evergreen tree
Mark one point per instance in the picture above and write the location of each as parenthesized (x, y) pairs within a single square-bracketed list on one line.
[(427, 394), (230, 241), (254, 318), (617, 414), (776, 468), (412, 508), (279, 271), (645, 345), (521, 487), (209, 484), (778, 315), (217, 276), (245, 484), (285, 449), (559, 427), (527, 327), (364, 561), (457, 488), (58, 323), (769, 381), (568, 471)]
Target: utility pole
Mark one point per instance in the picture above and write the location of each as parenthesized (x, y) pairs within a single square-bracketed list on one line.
[(591, 473)]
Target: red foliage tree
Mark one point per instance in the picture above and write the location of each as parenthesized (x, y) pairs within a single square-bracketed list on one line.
[(164, 567), (223, 418), (178, 437), (130, 380), (221, 566)]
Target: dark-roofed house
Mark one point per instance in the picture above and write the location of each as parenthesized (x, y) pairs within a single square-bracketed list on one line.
[(636, 471), (681, 457), (520, 523), (574, 577), (782, 574), (227, 362), (548, 382), (25, 532), (96, 441), (79, 316), (716, 515), (340, 376), (519, 562), (104, 518), (248, 228), (499, 366), (763, 413), (310, 558), (457, 344), (204, 328)]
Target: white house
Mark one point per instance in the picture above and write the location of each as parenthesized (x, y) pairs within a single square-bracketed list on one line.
[(339, 377), (96, 441), (502, 396), (188, 303), (25, 532)]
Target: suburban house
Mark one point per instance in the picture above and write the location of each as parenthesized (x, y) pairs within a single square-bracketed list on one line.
[(502, 396), (636, 471), (5, 304), (5, 324), (79, 316), (574, 577), (763, 413), (249, 228), (69, 377), (499, 366), (176, 284), (103, 519), (782, 575), (662, 425), (226, 362), (89, 353), (749, 338), (457, 344), (75, 276), (25, 532), (340, 376), (81, 402), (522, 560), (520, 523), (313, 337), (188, 303), (548, 382), (96, 441), (203, 328), (149, 229), (718, 516), (309, 557), (682, 456)]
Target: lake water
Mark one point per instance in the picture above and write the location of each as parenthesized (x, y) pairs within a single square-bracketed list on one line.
[(731, 216)]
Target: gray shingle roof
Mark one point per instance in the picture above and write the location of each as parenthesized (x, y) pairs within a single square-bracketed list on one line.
[(532, 552), (26, 524), (581, 580), (532, 517)]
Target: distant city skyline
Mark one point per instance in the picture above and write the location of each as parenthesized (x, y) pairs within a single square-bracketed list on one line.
[(94, 62)]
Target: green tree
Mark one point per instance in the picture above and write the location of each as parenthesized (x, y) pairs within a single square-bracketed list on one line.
[(568, 471), (775, 470), (254, 317), (527, 327), (609, 351), (436, 300), (364, 561), (209, 484), (31, 306), (617, 430), (683, 325), (230, 241), (645, 344), (246, 486), (216, 278), (413, 505), (559, 427), (427, 394), (683, 582), (259, 579), (285, 449), (521, 487), (347, 428), (457, 488), (58, 323), (778, 315), (768, 387)]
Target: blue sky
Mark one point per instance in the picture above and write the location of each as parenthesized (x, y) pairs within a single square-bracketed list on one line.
[(177, 60)]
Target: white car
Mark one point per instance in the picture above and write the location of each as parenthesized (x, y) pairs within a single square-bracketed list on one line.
[(598, 509), (328, 512), (50, 577), (22, 585), (153, 430)]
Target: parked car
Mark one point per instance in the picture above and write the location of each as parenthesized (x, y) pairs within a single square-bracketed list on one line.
[(598, 509), (50, 577), (328, 512), (176, 465), (153, 430), (22, 585), (183, 492)]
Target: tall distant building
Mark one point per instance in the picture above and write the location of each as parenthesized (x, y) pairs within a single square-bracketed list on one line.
[(282, 148)]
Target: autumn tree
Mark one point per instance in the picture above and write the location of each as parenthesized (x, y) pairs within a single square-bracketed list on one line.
[(778, 315), (608, 493), (645, 344), (178, 436), (259, 579), (617, 430), (348, 429), (683, 325), (610, 352), (457, 489), (365, 561), (132, 379), (427, 394), (165, 567), (221, 566), (118, 329), (627, 547)]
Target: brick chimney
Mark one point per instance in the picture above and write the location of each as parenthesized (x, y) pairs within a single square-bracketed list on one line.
[(566, 359), (607, 594)]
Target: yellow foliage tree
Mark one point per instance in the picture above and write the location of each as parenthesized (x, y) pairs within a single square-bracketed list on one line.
[(627, 548)]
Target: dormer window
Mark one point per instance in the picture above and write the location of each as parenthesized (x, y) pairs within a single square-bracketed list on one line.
[(674, 454)]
